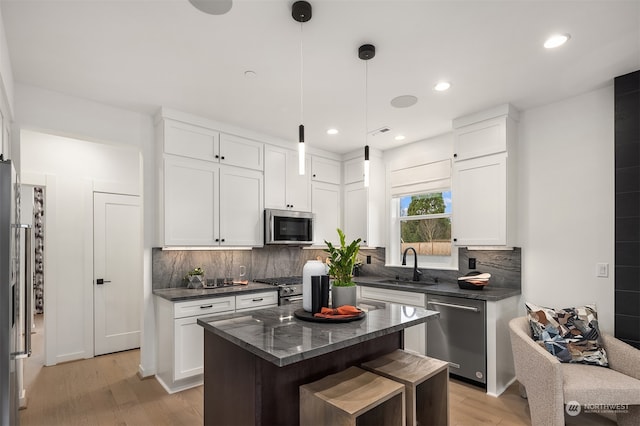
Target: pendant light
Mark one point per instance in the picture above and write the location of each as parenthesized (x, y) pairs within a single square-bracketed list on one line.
[(301, 12), (366, 52)]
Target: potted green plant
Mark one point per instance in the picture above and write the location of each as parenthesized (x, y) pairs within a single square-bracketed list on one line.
[(342, 260), (195, 278)]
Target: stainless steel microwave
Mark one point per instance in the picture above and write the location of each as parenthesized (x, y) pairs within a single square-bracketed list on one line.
[(288, 227)]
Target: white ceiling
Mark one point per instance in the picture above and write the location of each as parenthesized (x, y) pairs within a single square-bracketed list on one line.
[(144, 54)]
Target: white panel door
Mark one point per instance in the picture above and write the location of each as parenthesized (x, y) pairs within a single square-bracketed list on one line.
[(117, 260)]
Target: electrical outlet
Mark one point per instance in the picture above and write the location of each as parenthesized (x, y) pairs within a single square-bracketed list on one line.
[(602, 270), (472, 263), (368, 259)]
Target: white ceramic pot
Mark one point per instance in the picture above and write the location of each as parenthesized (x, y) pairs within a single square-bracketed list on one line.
[(311, 268)]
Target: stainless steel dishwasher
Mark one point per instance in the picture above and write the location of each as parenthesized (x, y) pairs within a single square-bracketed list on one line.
[(458, 336)]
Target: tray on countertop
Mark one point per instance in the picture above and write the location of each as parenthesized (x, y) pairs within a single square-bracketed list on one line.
[(308, 316)]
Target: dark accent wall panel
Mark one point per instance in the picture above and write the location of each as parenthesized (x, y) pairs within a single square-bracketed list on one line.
[(627, 208)]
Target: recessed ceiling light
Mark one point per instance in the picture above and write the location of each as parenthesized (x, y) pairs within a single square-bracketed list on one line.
[(250, 74), (332, 131), (556, 40), (441, 86), (399, 138), (404, 101)]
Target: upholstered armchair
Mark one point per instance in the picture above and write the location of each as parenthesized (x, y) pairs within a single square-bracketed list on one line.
[(549, 384)]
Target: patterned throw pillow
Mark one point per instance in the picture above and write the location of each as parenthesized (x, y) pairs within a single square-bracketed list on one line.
[(570, 334)]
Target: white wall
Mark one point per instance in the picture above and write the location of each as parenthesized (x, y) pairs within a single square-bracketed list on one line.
[(62, 115), (566, 202)]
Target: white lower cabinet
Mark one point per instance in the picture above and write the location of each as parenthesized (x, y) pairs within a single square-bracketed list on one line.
[(181, 339), (414, 337)]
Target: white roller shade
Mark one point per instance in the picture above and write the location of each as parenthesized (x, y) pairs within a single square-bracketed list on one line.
[(421, 179)]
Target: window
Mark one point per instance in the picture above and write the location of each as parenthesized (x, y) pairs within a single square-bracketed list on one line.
[(421, 209), (424, 222)]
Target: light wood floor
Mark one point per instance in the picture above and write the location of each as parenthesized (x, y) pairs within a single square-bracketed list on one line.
[(107, 391)]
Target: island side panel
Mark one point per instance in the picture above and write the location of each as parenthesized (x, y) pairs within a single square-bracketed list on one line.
[(241, 388), (229, 383)]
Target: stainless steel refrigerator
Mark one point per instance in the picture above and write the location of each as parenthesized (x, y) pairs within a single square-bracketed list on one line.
[(15, 322)]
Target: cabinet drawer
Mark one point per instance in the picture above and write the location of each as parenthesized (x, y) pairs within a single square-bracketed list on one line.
[(256, 300), (393, 296), (204, 306)]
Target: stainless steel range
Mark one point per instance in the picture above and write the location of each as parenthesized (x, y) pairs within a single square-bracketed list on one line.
[(289, 288)]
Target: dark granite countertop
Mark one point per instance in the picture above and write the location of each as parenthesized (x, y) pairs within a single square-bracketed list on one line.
[(275, 335), (182, 293), (489, 293)]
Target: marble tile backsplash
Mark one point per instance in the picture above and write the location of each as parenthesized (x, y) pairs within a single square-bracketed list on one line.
[(170, 266)]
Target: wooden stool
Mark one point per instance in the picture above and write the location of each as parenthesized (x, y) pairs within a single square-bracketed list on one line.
[(426, 383), (352, 397)]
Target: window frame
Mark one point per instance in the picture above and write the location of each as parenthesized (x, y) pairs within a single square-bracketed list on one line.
[(394, 258)]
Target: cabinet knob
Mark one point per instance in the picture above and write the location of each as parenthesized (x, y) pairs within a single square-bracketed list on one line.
[(314, 175), (455, 155), (222, 240), (217, 240), (291, 205), (222, 158), (217, 156), (455, 239)]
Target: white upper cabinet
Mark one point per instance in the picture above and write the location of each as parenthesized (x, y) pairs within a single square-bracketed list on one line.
[(476, 140), (191, 202), (188, 140), (480, 201), (485, 133), (284, 187), (356, 212), (354, 170), (325, 170), (241, 207), (191, 141), (484, 179), (325, 198), (208, 204), (212, 189), (241, 152), (364, 207)]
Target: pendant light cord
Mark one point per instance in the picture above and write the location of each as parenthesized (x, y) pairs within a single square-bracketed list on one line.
[(301, 78), (366, 102)]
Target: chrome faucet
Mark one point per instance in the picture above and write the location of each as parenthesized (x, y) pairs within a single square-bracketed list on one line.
[(416, 271)]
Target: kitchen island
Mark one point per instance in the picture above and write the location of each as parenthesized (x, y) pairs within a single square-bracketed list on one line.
[(256, 361)]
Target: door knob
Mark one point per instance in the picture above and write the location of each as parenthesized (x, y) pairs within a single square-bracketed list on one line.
[(101, 281)]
